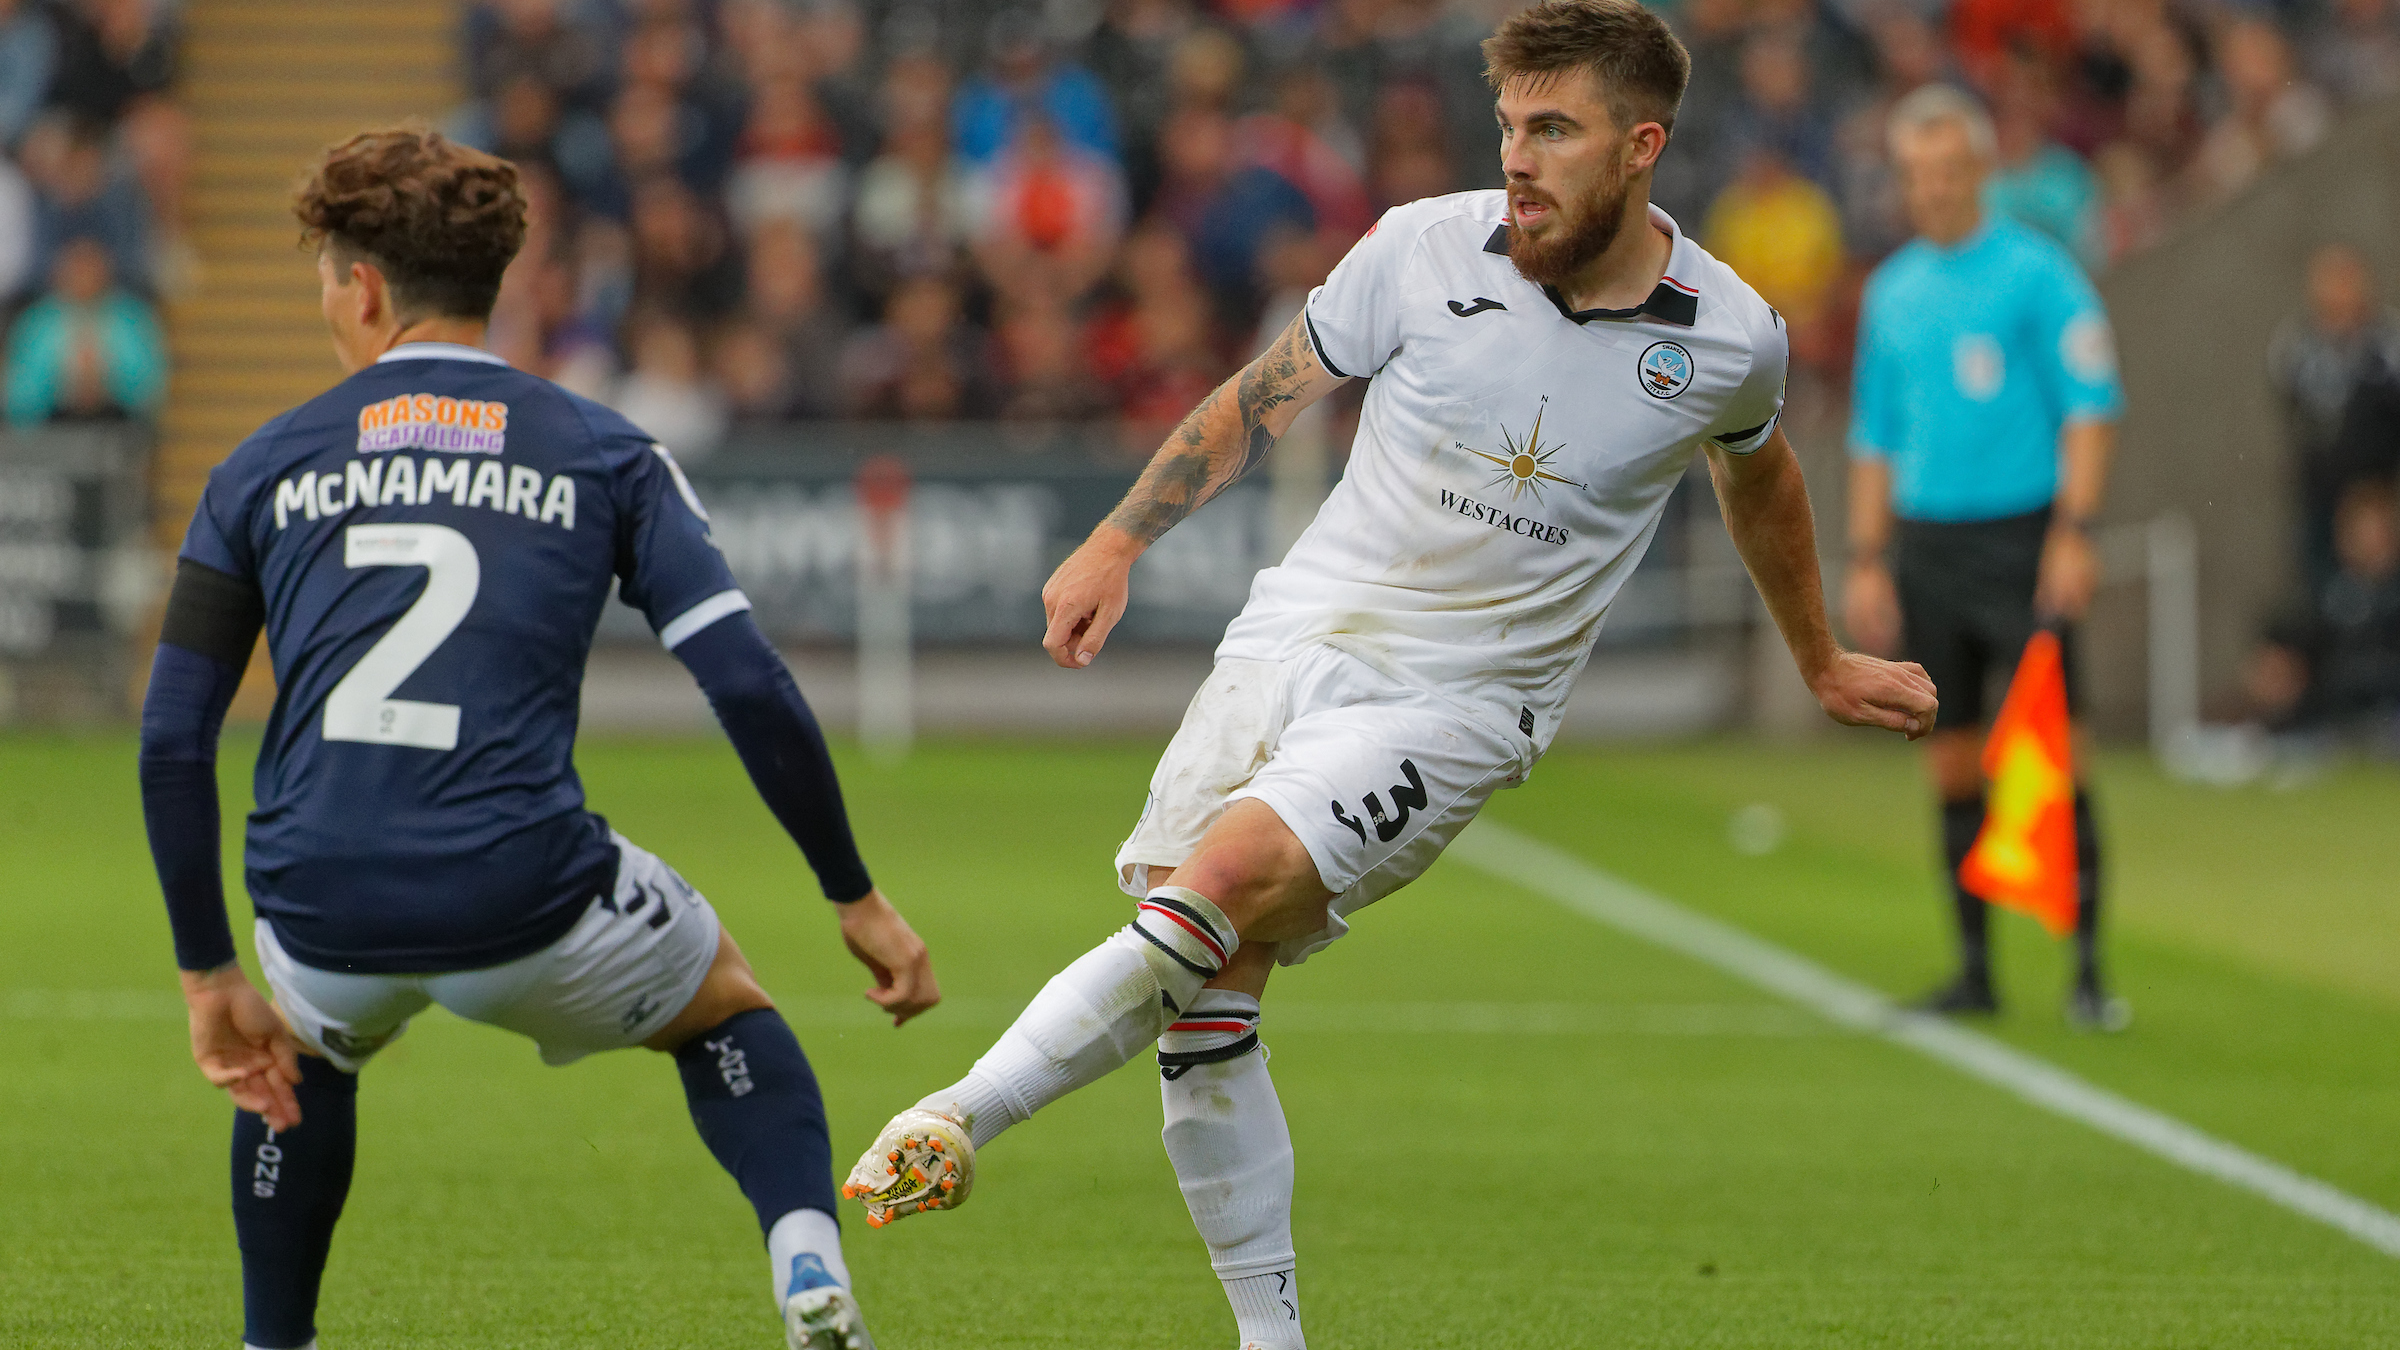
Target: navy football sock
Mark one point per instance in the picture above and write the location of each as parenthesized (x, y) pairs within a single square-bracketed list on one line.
[(755, 1101), (288, 1189), (1962, 820)]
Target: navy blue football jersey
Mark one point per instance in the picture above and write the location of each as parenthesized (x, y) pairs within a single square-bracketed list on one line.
[(434, 539)]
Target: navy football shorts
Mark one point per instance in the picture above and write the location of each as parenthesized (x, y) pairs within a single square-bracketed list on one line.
[(1966, 608)]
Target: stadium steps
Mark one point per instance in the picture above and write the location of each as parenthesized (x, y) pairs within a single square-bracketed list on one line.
[(269, 83)]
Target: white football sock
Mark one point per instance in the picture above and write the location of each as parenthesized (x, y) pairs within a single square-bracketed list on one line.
[(796, 1237), (1232, 1151), (1096, 1014), (1266, 1309), (312, 1345)]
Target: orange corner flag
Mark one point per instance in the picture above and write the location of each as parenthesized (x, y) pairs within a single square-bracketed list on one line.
[(2025, 857)]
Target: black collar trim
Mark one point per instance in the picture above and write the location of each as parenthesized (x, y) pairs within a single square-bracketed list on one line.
[(1668, 302)]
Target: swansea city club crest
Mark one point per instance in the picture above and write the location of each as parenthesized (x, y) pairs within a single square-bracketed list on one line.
[(1666, 370)]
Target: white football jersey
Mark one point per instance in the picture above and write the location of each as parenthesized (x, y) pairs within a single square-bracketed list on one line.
[(1513, 458)]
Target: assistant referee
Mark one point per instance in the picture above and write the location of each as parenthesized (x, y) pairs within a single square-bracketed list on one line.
[(1981, 424)]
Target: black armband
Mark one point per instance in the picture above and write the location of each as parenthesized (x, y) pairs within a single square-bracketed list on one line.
[(214, 614)]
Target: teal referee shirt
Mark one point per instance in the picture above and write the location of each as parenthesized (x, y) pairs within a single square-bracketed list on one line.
[(1971, 360)]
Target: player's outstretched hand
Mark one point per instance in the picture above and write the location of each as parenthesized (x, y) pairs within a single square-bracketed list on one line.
[(1086, 596), (240, 1043), (1858, 690), (885, 944)]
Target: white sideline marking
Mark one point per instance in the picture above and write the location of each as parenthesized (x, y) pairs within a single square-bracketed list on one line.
[(1585, 889)]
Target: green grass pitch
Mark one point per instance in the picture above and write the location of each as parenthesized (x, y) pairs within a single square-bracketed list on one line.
[(1515, 1129)]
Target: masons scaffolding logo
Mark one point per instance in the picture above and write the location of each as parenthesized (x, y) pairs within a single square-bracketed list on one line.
[(433, 422)]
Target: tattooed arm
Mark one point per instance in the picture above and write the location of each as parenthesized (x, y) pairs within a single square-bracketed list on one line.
[(1222, 439)]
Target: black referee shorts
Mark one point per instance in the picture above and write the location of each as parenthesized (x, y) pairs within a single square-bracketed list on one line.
[(1966, 608)]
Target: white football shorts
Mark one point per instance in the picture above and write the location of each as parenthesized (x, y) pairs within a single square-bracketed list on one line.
[(623, 971), (1376, 776)]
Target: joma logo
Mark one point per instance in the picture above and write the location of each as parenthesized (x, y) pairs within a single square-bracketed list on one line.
[(1406, 797)]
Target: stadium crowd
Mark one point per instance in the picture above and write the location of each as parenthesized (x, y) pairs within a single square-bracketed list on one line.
[(2329, 666), (768, 211), (94, 154), (760, 210)]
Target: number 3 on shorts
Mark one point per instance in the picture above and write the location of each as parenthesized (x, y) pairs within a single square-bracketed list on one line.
[(361, 707)]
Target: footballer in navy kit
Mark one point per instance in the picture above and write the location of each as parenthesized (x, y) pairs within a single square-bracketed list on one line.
[(428, 546)]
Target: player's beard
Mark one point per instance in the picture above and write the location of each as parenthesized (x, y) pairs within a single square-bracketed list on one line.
[(1579, 232)]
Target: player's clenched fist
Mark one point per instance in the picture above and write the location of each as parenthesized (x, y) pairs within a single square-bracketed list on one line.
[(1858, 690), (892, 952), (1086, 596)]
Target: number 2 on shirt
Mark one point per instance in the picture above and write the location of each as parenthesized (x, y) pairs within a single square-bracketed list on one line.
[(361, 707)]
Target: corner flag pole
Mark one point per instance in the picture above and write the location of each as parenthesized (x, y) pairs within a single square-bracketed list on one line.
[(886, 650)]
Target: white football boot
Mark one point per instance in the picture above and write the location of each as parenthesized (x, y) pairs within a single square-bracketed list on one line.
[(922, 1160), (824, 1318)]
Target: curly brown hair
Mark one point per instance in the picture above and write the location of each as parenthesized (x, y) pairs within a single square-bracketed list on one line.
[(1641, 66), (439, 220)]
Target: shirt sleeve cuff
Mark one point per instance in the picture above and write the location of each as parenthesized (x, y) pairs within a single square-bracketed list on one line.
[(1317, 341), (1745, 442)]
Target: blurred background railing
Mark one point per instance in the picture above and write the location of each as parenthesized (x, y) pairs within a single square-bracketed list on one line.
[(1013, 244), (78, 575)]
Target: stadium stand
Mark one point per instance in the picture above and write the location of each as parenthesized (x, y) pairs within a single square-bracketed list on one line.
[(766, 211), (268, 83), (1050, 230)]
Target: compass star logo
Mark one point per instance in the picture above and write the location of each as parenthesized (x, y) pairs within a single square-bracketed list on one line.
[(1526, 466)]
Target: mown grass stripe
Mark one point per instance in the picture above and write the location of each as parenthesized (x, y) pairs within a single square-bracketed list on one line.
[(1771, 1020), (1587, 890)]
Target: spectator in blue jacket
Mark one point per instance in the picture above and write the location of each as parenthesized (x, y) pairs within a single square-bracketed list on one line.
[(87, 351), (1025, 76)]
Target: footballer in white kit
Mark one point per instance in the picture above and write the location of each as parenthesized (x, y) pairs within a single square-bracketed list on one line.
[(1544, 360)]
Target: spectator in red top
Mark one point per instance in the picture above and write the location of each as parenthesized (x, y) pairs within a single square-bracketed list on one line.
[(1050, 215), (1984, 32), (788, 164)]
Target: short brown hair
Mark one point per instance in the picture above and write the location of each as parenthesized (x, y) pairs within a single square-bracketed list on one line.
[(440, 220), (1640, 64)]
